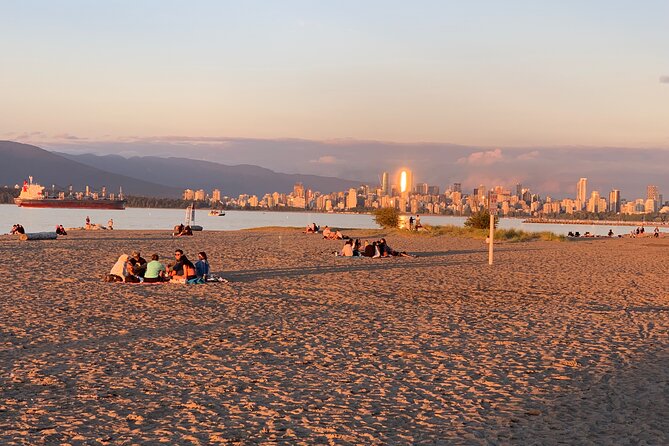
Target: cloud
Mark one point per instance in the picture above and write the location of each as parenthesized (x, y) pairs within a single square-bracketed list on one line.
[(534, 154), (483, 158), (327, 159), (664, 79)]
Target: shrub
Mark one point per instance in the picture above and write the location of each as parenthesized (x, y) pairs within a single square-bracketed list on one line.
[(480, 220), (387, 217)]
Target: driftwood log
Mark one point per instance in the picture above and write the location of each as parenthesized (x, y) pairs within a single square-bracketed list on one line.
[(38, 236)]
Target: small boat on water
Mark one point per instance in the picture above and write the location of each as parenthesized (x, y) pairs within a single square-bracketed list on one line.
[(216, 213)]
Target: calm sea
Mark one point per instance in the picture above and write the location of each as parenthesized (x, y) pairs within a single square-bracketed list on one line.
[(38, 220)]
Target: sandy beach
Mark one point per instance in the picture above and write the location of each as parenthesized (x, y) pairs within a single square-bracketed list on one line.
[(556, 343)]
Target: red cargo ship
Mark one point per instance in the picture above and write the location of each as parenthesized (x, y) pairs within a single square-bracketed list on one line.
[(32, 196)]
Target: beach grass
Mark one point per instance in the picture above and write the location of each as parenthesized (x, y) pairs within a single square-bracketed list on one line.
[(507, 235)]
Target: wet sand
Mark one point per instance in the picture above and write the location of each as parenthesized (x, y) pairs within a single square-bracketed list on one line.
[(557, 343)]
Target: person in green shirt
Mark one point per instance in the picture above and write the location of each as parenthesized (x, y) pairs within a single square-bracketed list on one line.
[(155, 271)]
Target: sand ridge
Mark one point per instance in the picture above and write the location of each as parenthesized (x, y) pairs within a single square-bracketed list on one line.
[(556, 343)]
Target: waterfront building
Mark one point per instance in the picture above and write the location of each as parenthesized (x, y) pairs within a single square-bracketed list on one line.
[(189, 194), (614, 201), (352, 199), (298, 190), (582, 191), (200, 195), (385, 184), (216, 195)]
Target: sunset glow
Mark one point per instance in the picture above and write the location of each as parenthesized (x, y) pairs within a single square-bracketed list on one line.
[(403, 181)]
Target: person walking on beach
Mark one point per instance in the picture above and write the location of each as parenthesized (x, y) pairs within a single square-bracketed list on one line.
[(656, 232), (110, 224), (410, 223)]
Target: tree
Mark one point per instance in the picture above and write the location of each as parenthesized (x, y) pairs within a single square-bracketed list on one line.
[(387, 217), (480, 220)]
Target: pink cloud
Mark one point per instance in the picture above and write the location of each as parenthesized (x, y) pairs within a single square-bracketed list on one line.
[(529, 155), (483, 158)]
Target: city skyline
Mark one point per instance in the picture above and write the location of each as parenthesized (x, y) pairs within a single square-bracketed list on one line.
[(405, 196)]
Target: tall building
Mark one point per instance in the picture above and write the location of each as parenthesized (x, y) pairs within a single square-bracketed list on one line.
[(421, 188), (653, 193), (298, 190), (593, 202), (519, 190), (457, 187), (614, 201), (200, 195), (189, 194), (582, 191), (216, 195), (352, 199), (405, 181), (385, 184)]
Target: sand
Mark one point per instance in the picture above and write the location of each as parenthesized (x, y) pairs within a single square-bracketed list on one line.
[(557, 343)]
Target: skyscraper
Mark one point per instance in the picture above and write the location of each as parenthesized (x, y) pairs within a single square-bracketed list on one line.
[(652, 193), (582, 191), (298, 190), (519, 190), (405, 181), (352, 199), (457, 187), (614, 201), (385, 184)]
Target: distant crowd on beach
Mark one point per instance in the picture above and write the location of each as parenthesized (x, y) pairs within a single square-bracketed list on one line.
[(134, 268), (351, 248), (634, 233)]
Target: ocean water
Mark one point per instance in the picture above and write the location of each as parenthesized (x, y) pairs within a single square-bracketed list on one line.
[(38, 220)]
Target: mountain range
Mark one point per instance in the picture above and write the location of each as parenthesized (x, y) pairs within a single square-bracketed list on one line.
[(149, 175)]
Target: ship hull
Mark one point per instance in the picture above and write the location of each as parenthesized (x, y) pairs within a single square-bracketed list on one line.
[(118, 205)]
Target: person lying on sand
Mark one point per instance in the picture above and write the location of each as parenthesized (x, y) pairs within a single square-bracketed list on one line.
[(387, 251)]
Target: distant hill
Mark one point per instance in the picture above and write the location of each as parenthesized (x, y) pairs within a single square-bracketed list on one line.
[(22, 160), (183, 173)]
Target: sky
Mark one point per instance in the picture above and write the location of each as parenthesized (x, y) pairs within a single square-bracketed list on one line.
[(164, 76)]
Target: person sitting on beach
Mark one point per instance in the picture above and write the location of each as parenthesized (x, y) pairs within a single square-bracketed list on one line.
[(60, 230), (347, 250), (183, 270), (368, 249), (202, 266), (570, 234), (656, 232), (326, 232), (137, 263), (610, 234), (119, 271), (417, 225), (155, 270), (311, 229), (17, 229)]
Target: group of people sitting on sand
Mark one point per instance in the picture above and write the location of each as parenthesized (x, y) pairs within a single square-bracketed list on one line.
[(328, 233), (374, 250), (60, 230), (135, 269), (17, 229)]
